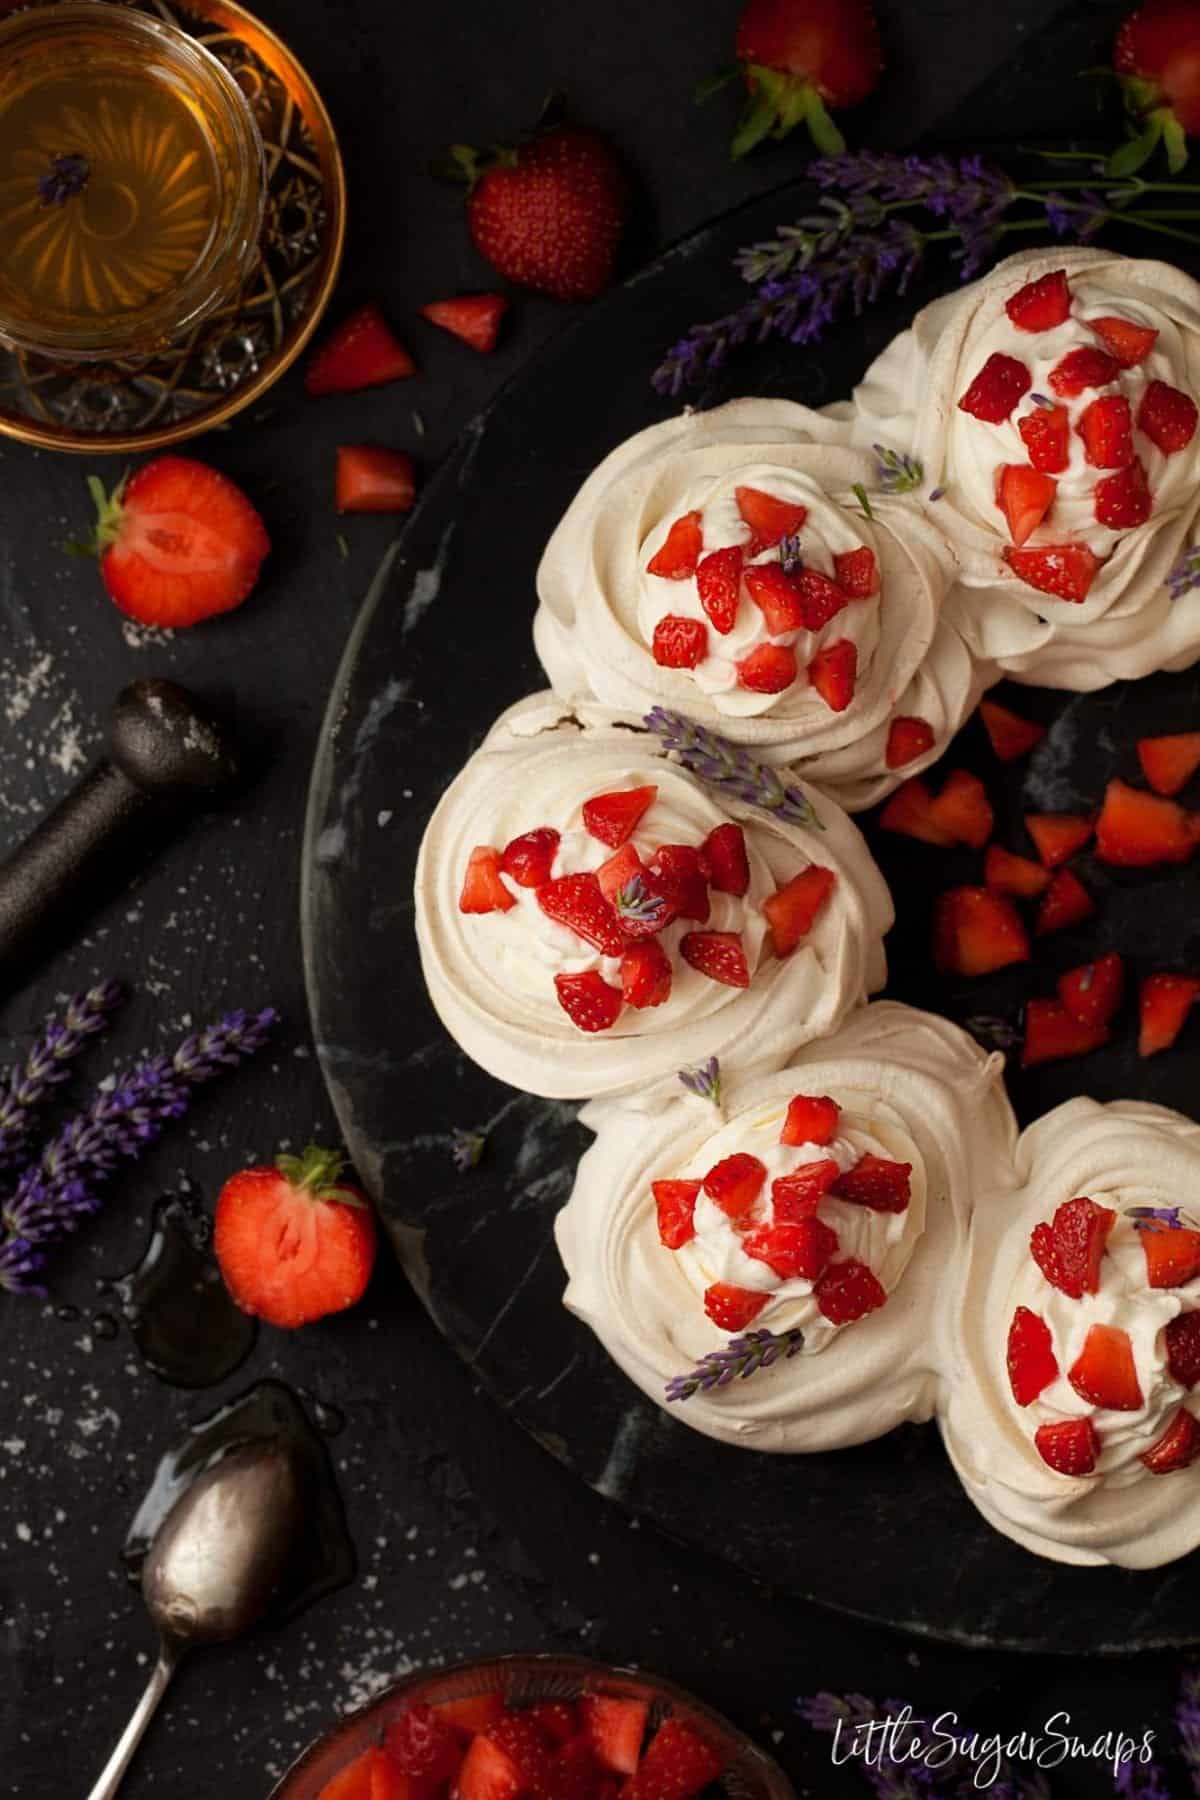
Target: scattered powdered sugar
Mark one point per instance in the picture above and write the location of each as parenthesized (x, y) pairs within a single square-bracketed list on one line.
[(144, 637), (46, 729)]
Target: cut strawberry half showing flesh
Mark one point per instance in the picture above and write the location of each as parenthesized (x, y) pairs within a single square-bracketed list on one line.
[(1093, 992), (793, 910), (768, 670), (810, 1119), (1172, 1257), (997, 388), (1123, 501), (1069, 1249), (777, 597), (1058, 835), (1104, 1373), (1065, 904), (1169, 763), (796, 1251), (1107, 432), (911, 812), (589, 1001), (529, 859), (833, 671), (857, 572), (473, 1714), (622, 868), (557, 1719), (799, 1194), (1024, 496), (726, 864), (1010, 735), (678, 1764), (976, 932), (482, 889), (1136, 830), (964, 809), (876, 1183), (908, 739), (849, 1290), (526, 1746), (577, 902), (1066, 571), (1042, 304), (718, 954), (679, 642), (1006, 873), (735, 1183), (1052, 1034), (1182, 1338), (1046, 435), (719, 585), (768, 517), (675, 1203), (1087, 367), (475, 318), (1164, 1004), (680, 551), (732, 1308), (1072, 1447), (373, 479), (362, 352), (681, 870), (820, 598), (1177, 1448), (1032, 1364), (613, 817), (646, 974), (1167, 417), (488, 1773), (1127, 343)]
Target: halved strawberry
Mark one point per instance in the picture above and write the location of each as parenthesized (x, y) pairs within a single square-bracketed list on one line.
[(557, 1719), (1024, 496), (362, 352), (717, 954), (678, 1764), (618, 872), (1052, 1034), (810, 1119), (833, 671), (682, 873), (675, 1202), (1042, 304), (1170, 762), (849, 1290), (471, 1714), (792, 910), (1087, 367), (976, 932), (964, 809), (1065, 903), (482, 889), (732, 1308), (1001, 382), (1136, 830), (421, 1743), (1104, 1373), (1065, 570), (1107, 432), (1164, 1004), (1123, 501), (588, 1000), (1011, 736), (1181, 1336), (1178, 1446), (1005, 873), (1070, 1447), (768, 670), (857, 572), (799, 1195), (1093, 992), (735, 1183), (719, 585), (527, 1748), (911, 812), (820, 598), (371, 1776), (1032, 1364), (679, 642), (475, 318), (908, 739), (613, 817), (576, 901), (1069, 1249), (529, 859), (1172, 1257), (1167, 416), (1128, 343), (1046, 435), (646, 974), (372, 479), (799, 1250), (1058, 835), (488, 1773), (877, 1183), (777, 597), (768, 517), (676, 559), (726, 864)]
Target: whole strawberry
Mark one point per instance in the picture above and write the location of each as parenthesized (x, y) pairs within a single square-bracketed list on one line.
[(549, 214), (1157, 61), (802, 60), (293, 1240)]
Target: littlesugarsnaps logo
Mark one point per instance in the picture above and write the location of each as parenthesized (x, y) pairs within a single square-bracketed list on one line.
[(900, 1739)]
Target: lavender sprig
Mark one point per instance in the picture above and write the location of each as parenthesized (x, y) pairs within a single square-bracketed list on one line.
[(1155, 1218), (729, 768), (898, 473), (704, 1081), (1187, 1722), (467, 1148), (1185, 573), (634, 901), (26, 1086), (791, 553), (742, 1357)]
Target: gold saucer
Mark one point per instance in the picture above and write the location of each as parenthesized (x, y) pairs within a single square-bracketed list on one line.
[(234, 356)]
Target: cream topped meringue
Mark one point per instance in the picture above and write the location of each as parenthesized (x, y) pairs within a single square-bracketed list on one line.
[(601, 603), (496, 976)]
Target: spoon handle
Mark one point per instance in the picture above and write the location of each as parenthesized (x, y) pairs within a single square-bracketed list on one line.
[(114, 1769)]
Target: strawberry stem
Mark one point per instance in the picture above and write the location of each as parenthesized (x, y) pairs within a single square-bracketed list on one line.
[(777, 103), (317, 1173)]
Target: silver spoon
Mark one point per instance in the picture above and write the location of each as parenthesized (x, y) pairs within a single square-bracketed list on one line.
[(211, 1571)]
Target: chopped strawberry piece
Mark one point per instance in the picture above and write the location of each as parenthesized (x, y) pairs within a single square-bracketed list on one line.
[(1172, 1257), (1182, 1338), (732, 1308), (482, 889), (725, 861), (619, 871), (577, 902), (799, 1250), (1178, 1446), (361, 352), (472, 1714), (678, 1765), (588, 1000), (616, 1727), (1087, 367), (1104, 1373), (1065, 903), (1164, 1004), (1024, 496), (557, 1719), (679, 643), (355, 1782), (1058, 835), (1130, 344), (526, 1746), (777, 598), (475, 318), (1107, 432), (1064, 570), (768, 517), (717, 954), (1170, 762), (911, 813), (1070, 1248), (1136, 830), (1032, 1365), (488, 1773), (676, 1205), (857, 572), (975, 932), (849, 1290), (820, 598), (613, 817), (529, 859), (1093, 992), (1070, 1448), (811, 1120), (876, 1183), (646, 974), (663, 898), (420, 1742), (768, 670), (719, 585), (833, 671), (681, 869), (1052, 1034), (1011, 736), (680, 551), (1124, 500), (964, 809), (1046, 435), (370, 478), (799, 1195), (735, 1183), (908, 739), (996, 389), (576, 1774), (793, 910), (1042, 304), (1005, 873), (1167, 417)]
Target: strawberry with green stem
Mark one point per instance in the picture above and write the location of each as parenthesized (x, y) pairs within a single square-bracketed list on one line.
[(801, 61), (1156, 59)]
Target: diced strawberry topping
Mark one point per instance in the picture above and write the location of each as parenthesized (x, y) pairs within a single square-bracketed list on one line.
[(732, 1308), (997, 388), (777, 597), (679, 643), (911, 813), (1107, 432), (472, 1714), (1178, 1446), (615, 1728), (361, 352), (1032, 1365), (719, 585), (1181, 1336), (820, 598), (1011, 736), (1136, 830), (664, 896), (1164, 1004), (556, 1719), (475, 318), (1070, 1447), (964, 809), (1172, 1257), (529, 859), (876, 1183), (811, 1119), (1052, 1034), (1024, 496), (735, 1183), (797, 1250), (619, 871), (676, 1205), (793, 910), (833, 671), (1170, 762), (1087, 367), (1046, 435), (681, 871), (849, 1290), (681, 549), (798, 1195), (1005, 873), (613, 817), (1104, 1373), (588, 1000), (767, 670), (1167, 416), (1123, 500), (768, 517), (646, 974), (1065, 903), (577, 901), (488, 1774), (717, 954), (1042, 304), (725, 861), (976, 932), (678, 1765), (482, 889), (1069, 1249), (525, 1744), (1130, 344), (908, 739), (421, 1743), (1065, 570), (1093, 992), (576, 1774), (1058, 835), (857, 572)]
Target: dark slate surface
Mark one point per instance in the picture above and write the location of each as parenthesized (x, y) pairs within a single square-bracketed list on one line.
[(469, 1536)]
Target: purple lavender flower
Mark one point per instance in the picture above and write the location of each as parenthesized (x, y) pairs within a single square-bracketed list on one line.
[(898, 473), (969, 195), (27, 1085), (1155, 1218), (1080, 217), (1141, 1781), (704, 1080), (1187, 1721), (741, 1357), (729, 768), (467, 1148), (635, 902), (1185, 573)]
